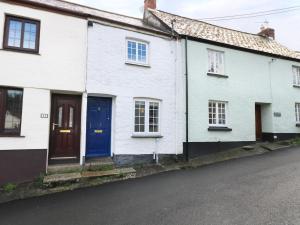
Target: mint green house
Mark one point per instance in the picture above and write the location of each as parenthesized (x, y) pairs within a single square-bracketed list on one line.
[(240, 87)]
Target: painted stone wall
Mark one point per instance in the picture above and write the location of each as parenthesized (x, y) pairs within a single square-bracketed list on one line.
[(109, 75)]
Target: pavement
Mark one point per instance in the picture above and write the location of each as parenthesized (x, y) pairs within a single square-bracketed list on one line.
[(260, 189)]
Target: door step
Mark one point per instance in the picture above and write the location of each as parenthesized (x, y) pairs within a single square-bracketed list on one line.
[(91, 164), (125, 173), (99, 164)]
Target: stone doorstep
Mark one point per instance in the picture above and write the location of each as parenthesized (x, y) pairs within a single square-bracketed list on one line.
[(273, 146), (64, 168), (76, 167), (61, 177), (56, 178)]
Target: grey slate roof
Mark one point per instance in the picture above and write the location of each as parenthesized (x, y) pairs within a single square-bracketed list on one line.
[(91, 12), (202, 30)]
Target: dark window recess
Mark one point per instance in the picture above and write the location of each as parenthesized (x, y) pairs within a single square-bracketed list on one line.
[(219, 129), (21, 34), (217, 75), (10, 111)]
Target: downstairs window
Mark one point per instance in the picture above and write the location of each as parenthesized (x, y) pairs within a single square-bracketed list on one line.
[(10, 111)]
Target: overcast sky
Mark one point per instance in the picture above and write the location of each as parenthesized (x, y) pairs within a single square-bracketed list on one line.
[(286, 25)]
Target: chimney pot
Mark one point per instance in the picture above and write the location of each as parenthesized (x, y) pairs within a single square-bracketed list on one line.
[(150, 4), (267, 32)]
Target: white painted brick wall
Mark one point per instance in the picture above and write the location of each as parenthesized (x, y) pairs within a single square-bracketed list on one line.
[(109, 75)]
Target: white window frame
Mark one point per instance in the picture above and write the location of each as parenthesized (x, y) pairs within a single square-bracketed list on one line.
[(297, 112), (212, 55), (296, 76), (217, 124), (147, 115), (137, 62)]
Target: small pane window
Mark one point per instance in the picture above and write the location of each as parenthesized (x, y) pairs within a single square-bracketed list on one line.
[(216, 62), (297, 112), (153, 116), (296, 75), (21, 34), (146, 116), (14, 33), (10, 110), (137, 52), (139, 116), (217, 113)]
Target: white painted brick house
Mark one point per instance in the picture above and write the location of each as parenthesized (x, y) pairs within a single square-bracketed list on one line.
[(134, 71)]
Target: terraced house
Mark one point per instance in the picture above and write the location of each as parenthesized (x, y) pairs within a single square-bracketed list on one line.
[(241, 87), (42, 80), (77, 83)]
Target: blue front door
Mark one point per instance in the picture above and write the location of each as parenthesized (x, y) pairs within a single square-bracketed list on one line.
[(98, 127)]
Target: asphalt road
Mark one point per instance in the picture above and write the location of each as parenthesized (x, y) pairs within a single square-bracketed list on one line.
[(263, 189)]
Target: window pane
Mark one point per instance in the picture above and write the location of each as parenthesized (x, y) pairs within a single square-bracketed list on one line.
[(142, 52), (153, 116), (59, 116), (216, 113), (71, 116), (13, 110), (131, 50), (14, 33), (297, 112), (296, 75), (139, 116), (215, 62), (29, 35)]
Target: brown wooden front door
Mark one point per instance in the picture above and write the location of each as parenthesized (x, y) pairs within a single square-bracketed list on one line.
[(258, 122), (65, 127)]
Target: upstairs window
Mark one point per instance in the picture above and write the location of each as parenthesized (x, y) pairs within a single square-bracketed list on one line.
[(297, 112), (137, 52), (21, 34), (296, 74), (217, 113), (10, 111), (147, 116), (216, 62)]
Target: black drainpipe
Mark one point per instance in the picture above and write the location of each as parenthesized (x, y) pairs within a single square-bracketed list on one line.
[(186, 102)]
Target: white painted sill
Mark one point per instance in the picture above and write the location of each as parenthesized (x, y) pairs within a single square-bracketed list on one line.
[(137, 64), (217, 75), (146, 136)]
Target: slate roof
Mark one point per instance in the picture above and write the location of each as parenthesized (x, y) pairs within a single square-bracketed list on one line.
[(202, 30), (90, 12)]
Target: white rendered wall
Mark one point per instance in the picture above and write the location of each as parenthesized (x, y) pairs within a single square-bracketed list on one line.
[(60, 64), (34, 129), (60, 67), (109, 75)]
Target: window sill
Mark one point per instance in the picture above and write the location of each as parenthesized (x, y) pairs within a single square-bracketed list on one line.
[(137, 64), (217, 75), (296, 86), (11, 136), (219, 129), (297, 124), (146, 136), (20, 51)]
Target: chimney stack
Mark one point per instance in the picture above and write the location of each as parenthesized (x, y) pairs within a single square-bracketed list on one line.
[(150, 4), (265, 31)]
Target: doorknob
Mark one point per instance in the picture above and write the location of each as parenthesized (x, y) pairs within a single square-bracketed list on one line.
[(53, 125)]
